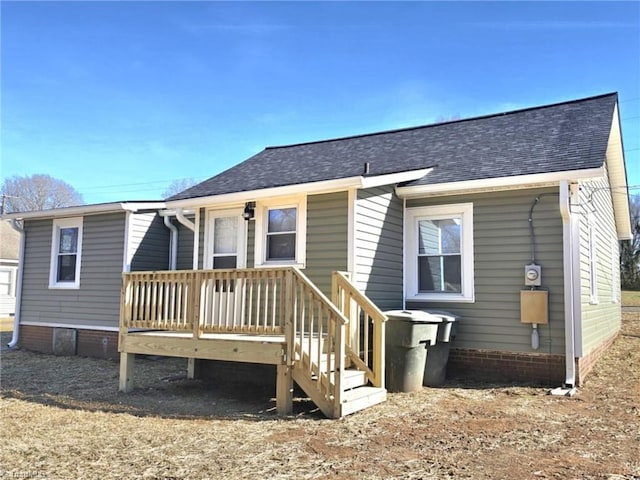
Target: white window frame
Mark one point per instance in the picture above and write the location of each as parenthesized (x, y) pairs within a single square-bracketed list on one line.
[(615, 271), (241, 255), (440, 212), (58, 224), (12, 271), (262, 218), (593, 261)]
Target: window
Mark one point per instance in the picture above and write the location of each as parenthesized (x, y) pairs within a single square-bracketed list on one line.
[(593, 261), (66, 250), (439, 253), (281, 228), (615, 270), (7, 283)]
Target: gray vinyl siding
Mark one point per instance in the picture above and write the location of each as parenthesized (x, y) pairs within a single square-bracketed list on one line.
[(185, 247), (378, 246), (327, 227), (501, 250), (251, 243), (97, 302), (601, 320), (149, 242)]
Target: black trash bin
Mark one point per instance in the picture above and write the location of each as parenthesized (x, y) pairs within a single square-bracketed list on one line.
[(407, 335), (435, 370)]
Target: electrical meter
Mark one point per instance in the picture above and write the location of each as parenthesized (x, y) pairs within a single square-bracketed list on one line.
[(532, 275)]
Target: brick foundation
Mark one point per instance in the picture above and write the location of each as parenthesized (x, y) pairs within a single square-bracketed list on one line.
[(89, 343), (492, 366), (585, 364)]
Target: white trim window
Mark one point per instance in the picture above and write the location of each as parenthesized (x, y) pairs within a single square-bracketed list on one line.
[(439, 253), (281, 233), (66, 253), (593, 261), (225, 245), (615, 271), (8, 281)]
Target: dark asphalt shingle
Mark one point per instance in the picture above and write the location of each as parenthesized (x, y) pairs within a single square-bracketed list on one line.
[(560, 137)]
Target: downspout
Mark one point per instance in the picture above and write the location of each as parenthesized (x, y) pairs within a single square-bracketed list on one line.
[(570, 284), (184, 220), (173, 242), (16, 318)]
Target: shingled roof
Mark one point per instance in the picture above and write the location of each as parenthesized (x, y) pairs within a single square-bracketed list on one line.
[(560, 137)]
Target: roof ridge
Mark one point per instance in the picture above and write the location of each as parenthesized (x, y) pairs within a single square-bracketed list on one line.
[(449, 122)]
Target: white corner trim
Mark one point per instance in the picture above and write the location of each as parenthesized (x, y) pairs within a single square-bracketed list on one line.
[(500, 183), (127, 255), (352, 209), (196, 240)]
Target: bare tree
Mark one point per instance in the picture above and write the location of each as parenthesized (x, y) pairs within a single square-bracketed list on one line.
[(37, 192), (630, 249), (177, 186)]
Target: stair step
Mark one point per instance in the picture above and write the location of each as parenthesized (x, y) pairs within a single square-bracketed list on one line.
[(350, 379), (361, 398)]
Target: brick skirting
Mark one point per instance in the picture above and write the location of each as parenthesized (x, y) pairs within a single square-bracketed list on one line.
[(492, 366), (88, 343)]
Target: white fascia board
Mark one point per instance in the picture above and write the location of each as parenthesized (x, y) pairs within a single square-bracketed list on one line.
[(496, 184), (618, 180), (400, 177), (325, 186), (83, 210)]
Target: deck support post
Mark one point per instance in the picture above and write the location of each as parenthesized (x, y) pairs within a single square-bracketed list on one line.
[(127, 363), (193, 367), (284, 390)]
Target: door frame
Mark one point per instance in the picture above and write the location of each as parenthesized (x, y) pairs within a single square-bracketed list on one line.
[(211, 215)]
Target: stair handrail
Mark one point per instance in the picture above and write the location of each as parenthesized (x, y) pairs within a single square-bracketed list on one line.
[(328, 366), (352, 302)]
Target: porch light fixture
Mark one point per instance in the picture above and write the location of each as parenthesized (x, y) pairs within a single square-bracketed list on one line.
[(249, 210)]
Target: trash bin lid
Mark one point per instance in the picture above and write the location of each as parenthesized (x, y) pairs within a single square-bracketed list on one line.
[(416, 316), (446, 316)]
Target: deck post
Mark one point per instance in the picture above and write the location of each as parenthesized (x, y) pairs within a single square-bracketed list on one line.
[(284, 390), (127, 362), (193, 367)]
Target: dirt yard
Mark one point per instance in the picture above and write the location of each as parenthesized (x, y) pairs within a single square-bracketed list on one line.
[(63, 418)]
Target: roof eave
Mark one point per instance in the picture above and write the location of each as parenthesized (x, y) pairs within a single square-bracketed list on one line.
[(82, 210), (325, 186), (516, 182), (618, 179)]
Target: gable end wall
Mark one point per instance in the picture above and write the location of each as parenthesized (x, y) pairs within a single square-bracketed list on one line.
[(97, 302)]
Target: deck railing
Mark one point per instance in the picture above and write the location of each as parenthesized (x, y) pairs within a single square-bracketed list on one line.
[(321, 334), (365, 330)]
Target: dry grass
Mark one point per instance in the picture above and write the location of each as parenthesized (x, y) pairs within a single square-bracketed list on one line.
[(631, 299), (62, 418)]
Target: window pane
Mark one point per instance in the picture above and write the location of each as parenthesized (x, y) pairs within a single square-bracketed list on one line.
[(440, 274), (225, 262), (68, 240), (4, 289), (281, 247), (438, 236), (225, 233), (450, 235), (66, 268), (282, 220)]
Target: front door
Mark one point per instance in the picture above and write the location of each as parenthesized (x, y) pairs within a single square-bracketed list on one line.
[(225, 249)]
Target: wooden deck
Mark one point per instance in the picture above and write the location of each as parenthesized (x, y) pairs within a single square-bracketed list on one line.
[(274, 316)]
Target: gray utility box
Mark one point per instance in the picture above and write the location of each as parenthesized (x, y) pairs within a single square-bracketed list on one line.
[(435, 370), (407, 335)]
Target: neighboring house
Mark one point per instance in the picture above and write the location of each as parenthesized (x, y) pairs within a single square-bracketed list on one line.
[(444, 217), (9, 254)]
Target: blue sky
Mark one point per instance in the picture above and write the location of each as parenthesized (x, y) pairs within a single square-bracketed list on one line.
[(119, 98)]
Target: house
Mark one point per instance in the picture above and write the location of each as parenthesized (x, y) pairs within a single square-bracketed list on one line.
[(511, 222), (9, 254)]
